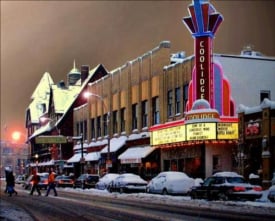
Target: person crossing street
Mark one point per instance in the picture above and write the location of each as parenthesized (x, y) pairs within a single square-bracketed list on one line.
[(35, 180), (51, 183)]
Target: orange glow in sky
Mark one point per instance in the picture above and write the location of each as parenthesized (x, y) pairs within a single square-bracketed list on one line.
[(16, 135)]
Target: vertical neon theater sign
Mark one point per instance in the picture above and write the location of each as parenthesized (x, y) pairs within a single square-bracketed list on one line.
[(207, 77)]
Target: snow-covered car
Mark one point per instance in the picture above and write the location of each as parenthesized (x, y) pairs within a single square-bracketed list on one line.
[(104, 181), (226, 186), (271, 194), (128, 182), (171, 182)]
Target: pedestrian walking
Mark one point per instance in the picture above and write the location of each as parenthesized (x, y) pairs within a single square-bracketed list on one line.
[(51, 183), (35, 180), (10, 184)]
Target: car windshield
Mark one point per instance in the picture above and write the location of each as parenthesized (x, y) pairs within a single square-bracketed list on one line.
[(235, 180), (93, 178)]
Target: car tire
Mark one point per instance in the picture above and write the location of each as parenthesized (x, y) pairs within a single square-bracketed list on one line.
[(164, 192), (194, 195)]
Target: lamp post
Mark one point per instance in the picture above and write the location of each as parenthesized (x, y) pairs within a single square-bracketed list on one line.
[(36, 156), (89, 94), (82, 160)]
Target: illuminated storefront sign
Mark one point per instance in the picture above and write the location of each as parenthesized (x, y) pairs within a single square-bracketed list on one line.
[(202, 67), (201, 131), (195, 132), (227, 131), (201, 116), (168, 135)]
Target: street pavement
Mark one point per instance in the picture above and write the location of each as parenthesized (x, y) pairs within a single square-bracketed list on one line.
[(11, 212)]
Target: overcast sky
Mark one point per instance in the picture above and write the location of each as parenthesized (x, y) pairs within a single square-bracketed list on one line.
[(40, 36)]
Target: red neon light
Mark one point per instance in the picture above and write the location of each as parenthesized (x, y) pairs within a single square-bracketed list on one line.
[(202, 54)]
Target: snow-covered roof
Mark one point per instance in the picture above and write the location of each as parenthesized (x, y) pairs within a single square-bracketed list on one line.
[(41, 130), (115, 144), (250, 110), (227, 174), (43, 87), (138, 136), (82, 86), (40, 98), (63, 98), (75, 158), (135, 154), (98, 143), (93, 156), (78, 146)]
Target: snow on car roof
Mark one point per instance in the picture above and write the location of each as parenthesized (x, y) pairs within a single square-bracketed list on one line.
[(174, 174), (227, 174)]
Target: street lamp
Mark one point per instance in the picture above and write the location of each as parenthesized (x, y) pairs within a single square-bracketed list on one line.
[(36, 161), (82, 160), (89, 94)]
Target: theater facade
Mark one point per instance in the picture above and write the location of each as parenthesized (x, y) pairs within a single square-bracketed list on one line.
[(204, 141)]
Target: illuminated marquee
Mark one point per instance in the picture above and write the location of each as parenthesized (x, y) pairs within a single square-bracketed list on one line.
[(227, 131), (195, 132), (201, 131), (168, 135)]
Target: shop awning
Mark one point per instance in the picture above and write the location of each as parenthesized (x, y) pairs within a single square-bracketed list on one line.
[(135, 154), (68, 166), (75, 158), (93, 156), (47, 163), (115, 144)]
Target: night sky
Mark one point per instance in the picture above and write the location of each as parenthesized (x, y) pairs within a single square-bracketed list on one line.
[(47, 36)]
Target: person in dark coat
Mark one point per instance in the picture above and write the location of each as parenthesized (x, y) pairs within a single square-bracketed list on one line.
[(10, 184)]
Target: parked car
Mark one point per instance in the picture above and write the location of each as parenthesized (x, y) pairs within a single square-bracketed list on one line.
[(226, 186), (43, 183), (171, 182), (104, 181), (20, 179), (86, 181), (271, 194), (128, 182), (64, 181)]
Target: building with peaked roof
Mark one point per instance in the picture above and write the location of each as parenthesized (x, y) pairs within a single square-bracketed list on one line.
[(57, 118), (39, 102)]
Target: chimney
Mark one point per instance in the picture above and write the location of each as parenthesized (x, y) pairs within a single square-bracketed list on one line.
[(84, 72)]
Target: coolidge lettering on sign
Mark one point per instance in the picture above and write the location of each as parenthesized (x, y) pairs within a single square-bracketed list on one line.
[(203, 45)]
